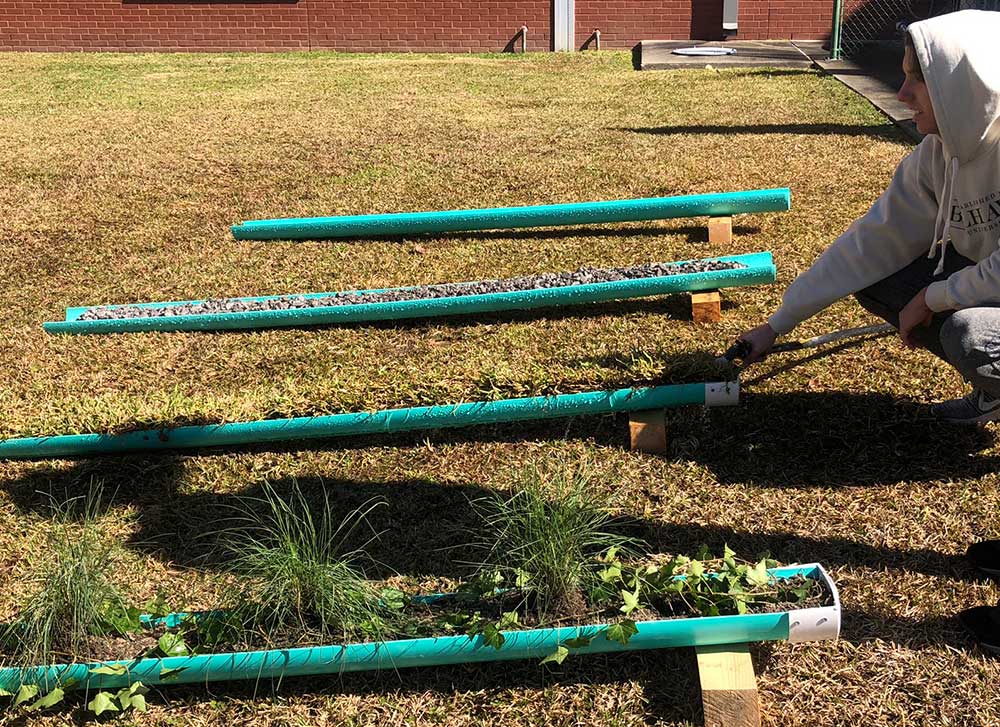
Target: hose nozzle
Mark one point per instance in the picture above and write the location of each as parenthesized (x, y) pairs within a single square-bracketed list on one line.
[(738, 351)]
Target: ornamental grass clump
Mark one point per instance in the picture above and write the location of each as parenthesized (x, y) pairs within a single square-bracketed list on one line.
[(74, 598), (301, 578), (546, 537)]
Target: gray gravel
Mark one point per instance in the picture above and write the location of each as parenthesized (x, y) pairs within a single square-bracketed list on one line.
[(583, 276)]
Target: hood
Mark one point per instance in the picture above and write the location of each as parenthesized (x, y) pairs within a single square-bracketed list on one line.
[(959, 54)]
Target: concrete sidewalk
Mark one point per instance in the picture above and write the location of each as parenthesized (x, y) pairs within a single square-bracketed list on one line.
[(878, 83), (876, 78), (658, 55)]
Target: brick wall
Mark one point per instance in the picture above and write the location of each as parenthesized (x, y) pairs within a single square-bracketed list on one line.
[(126, 25), (435, 25), (374, 25), (624, 23)]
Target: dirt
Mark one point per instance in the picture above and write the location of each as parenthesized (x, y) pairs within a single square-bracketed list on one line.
[(118, 647), (583, 276)]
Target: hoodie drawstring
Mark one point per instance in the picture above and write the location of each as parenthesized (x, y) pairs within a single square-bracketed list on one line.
[(942, 225)]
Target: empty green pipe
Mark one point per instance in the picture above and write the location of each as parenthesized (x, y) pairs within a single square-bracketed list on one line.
[(379, 422), (548, 215), (798, 625)]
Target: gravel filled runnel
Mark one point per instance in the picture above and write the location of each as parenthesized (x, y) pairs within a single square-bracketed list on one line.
[(583, 276)]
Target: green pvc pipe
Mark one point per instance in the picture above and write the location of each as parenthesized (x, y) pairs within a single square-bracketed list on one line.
[(549, 215), (532, 644), (758, 269), (379, 422)]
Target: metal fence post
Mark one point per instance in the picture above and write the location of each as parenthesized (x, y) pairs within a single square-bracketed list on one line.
[(838, 9)]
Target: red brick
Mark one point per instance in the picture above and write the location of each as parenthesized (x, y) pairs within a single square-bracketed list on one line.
[(372, 25)]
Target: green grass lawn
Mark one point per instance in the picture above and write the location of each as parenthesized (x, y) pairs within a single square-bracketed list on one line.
[(119, 178)]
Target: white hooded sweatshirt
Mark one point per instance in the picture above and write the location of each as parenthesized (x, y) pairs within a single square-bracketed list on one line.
[(947, 191)]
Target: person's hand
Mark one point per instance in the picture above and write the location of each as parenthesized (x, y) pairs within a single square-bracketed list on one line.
[(761, 339), (915, 314)]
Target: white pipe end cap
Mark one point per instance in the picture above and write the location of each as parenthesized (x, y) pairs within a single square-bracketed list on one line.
[(722, 393)]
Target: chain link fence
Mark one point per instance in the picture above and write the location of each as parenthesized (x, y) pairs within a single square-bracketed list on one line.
[(861, 25)]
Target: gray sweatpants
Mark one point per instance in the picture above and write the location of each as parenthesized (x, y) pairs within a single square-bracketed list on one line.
[(968, 339)]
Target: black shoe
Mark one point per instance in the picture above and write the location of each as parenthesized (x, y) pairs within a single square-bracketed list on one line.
[(985, 556), (983, 622), (975, 408)]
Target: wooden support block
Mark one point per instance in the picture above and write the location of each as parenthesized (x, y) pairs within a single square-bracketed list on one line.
[(648, 431), (706, 307), (728, 686), (720, 229)]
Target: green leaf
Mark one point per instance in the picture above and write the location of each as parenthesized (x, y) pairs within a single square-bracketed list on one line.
[(157, 607), (509, 620), (741, 606), (631, 601), (217, 629), (757, 576), (621, 631), (101, 703), (173, 645), (394, 599), (134, 696), (728, 553), (49, 700), (522, 578), (456, 619), (675, 586), (558, 656), (611, 573), (26, 692), (578, 643), (121, 620), (492, 636), (696, 569), (110, 669), (5, 693), (168, 674)]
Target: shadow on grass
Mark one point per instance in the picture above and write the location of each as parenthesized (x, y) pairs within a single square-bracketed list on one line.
[(834, 439), (426, 526), (887, 131), (859, 627), (422, 525)]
